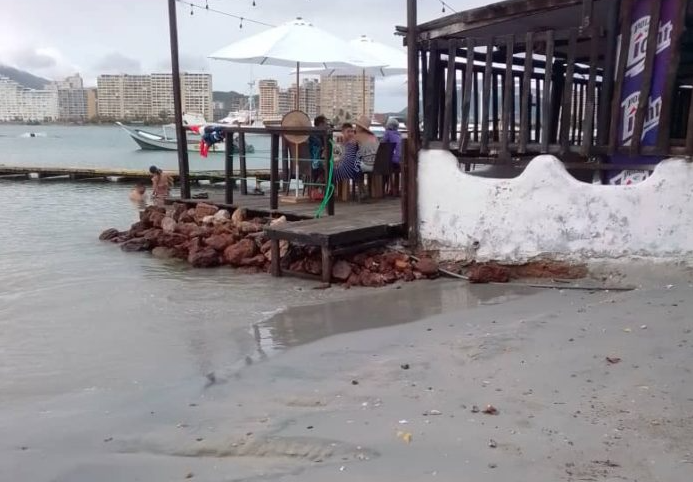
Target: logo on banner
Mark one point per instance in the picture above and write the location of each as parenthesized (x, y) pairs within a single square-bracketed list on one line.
[(637, 49), (629, 107)]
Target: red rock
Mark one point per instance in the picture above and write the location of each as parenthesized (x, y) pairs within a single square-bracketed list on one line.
[(204, 209), (245, 248), (246, 227), (408, 275), (488, 273), (138, 228), (204, 258), (427, 267), (152, 235), (171, 240), (220, 241), (121, 238), (187, 217), (257, 260), (177, 210), (109, 234), (370, 279), (238, 216), (313, 266), (402, 264), (192, 230), (298, 266), (168, 225), (341, 270), (136, 244), (156, 218), (266, 247), (389, 277), (164, 253), (145, 215), (194, 245)]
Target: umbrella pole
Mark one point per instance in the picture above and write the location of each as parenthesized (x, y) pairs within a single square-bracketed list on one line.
[(296, 156)]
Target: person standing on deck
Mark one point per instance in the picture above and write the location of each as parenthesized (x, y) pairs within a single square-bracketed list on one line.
[(392, 135), (316, 147), (161, 184)]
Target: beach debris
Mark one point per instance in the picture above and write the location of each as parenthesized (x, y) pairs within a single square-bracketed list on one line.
[(475, 409), (606, 463), (627, 330), (199, 439), (492, 466), (492, 443), (404, 366), (490, 410), (405, 436), (613, 359), (403, 422), (342, 468), (189, 475), (354, 382), (310, 427), (432, 412), (109, 439), (489, 273), (643, 327)]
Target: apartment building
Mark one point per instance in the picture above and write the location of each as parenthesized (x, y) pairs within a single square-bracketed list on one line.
[(72, 104), (269, 99), (342, 94), (18, 103)]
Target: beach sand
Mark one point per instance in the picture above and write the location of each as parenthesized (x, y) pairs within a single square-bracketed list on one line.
[(322, 398)]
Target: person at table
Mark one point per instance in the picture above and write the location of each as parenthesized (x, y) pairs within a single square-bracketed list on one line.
[(393, 136), (346, 159), (316, 146), (345, 135), (368, 143)]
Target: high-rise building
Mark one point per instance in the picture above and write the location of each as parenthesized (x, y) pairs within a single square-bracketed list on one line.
[(269, 99), (139, 97), (20, 103), (72, 104), (92, 104), (286, 102), (71, 82), (310, 97), (344, 94)]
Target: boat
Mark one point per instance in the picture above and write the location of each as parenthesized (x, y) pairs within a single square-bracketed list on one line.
[(150, 141)]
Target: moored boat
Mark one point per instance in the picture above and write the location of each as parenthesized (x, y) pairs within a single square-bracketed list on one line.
[(150, 141)]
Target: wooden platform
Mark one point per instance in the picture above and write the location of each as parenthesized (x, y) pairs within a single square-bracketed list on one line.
[(354, 227)]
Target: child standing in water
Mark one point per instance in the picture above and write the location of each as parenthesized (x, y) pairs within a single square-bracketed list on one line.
[(138, 193), (161, 184)]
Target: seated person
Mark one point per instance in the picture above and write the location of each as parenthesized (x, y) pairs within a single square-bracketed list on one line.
[(317, 148), (392, 135), (368, 144), (345, 135), (138, 193), (348, 167)]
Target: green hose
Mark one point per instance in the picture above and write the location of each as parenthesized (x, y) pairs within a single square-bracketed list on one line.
[(329, 188)]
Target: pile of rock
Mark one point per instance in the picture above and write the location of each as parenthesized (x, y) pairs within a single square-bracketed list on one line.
[(207, 236)]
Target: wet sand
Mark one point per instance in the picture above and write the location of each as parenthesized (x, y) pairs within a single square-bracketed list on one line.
[(321, 398)]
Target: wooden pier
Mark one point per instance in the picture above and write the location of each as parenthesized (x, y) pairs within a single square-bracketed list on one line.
[(114, 175)]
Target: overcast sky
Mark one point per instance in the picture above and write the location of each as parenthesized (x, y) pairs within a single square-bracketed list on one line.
[(55, 38)]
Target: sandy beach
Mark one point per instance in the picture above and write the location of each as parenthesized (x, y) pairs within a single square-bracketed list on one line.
[(399, 401)]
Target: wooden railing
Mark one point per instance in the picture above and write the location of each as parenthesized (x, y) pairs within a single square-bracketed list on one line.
[(497, 99)]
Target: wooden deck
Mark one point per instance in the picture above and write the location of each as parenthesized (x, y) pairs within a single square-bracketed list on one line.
[(354, 227)]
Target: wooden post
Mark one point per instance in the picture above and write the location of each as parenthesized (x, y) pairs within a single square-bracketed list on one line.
[(508, 97), (526, 93), (183, 167), (228, 168), (469, 79), (486, 96), (449, 89), (243, 167), (626, 16), (564, 133), (412, 124), (326, 264), (546, 107), (604, 104), (275, 266), (591, 86), (274, 172)]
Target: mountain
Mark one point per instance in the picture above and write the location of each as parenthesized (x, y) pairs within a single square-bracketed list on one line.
[(233, 100), (23, 78)]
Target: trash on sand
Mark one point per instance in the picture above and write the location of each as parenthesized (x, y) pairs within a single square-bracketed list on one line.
[(490, 410), (432, 412), (643, 327), (492, 466), (475, 409), (613, 359), (403, 422), (109, 439), (404, 366), (189, 475), (354, 382), (406, 436), (606, 463), (342, 468), (627, 330), (492, 443)]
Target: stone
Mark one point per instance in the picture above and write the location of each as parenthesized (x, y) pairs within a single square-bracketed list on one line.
[(122, 237), (222, 216), (257, 260), (353, 280), (266, 247), (208, 220), (247, 227), (206, 257), (152, 235), (220, 241), (427, 267), (279, 220), (109, 234), (136, 244), (313, 266), (370, 279), (187, 217), (168, 225), (238, 216), (171, 240), (145, 215), (245, 248), (488, 273), (341, 270), (164, 253), (192, 230), (204, 209), (177, 210), (156, 218), (402, 264), (138, 228), (194, 245)]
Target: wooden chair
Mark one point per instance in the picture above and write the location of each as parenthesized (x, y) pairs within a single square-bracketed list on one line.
[(375, 180), (304, 166)]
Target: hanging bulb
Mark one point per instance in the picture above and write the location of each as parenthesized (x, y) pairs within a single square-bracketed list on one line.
[(191, 9), (241, 25), (443, 9), (254, 3), (206, 5)]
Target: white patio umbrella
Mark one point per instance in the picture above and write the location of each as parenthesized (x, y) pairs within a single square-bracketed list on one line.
[(391, 61), (297, 43)]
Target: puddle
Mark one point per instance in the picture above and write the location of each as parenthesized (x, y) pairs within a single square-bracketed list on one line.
[(305, 324)]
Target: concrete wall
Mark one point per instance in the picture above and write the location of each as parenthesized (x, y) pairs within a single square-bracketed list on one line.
[(546, 212)]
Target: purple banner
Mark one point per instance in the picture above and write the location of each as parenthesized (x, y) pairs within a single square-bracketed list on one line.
[(632, 85)]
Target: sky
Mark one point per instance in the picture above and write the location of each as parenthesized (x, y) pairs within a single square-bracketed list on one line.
[(56, 38)]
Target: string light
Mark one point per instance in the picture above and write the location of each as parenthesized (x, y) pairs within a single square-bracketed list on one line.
[(206, 5), (237, 17), (444, 4)]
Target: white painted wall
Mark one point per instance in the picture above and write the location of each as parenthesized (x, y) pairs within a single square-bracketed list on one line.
[(547, 212)]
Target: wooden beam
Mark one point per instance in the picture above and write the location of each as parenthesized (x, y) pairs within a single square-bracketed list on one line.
[(243, 166), (526, 92), (626, 16), (644, 99), (607, 89), (450, 86), (546, 94), (689, 129), (588, 131), (508, 98), (412, 161), (486, 96), (566, 108), (228, 169)]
